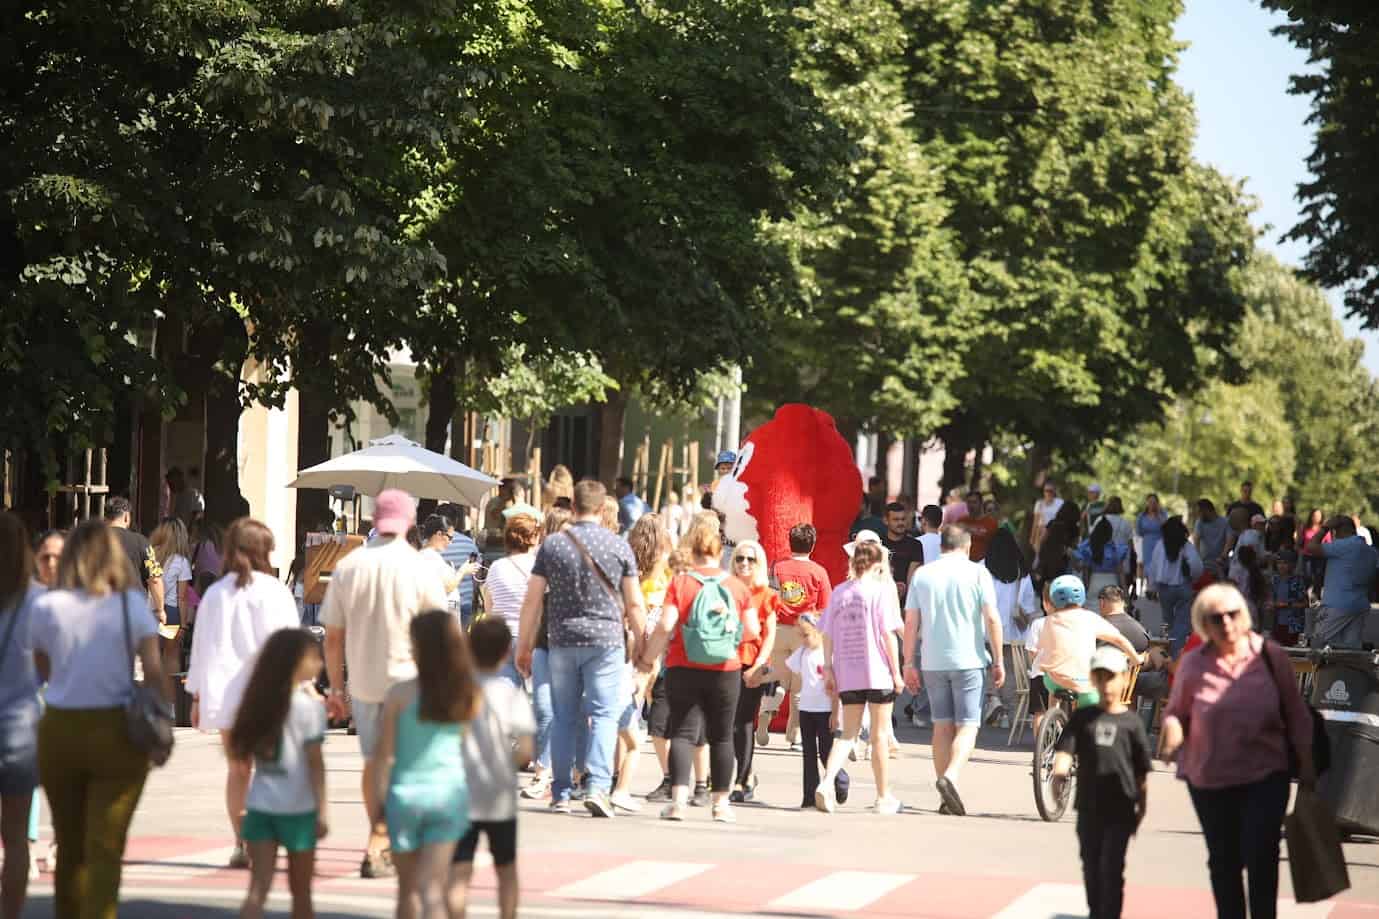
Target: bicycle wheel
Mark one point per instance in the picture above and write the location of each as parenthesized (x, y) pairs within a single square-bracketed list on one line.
[(1051, 806)]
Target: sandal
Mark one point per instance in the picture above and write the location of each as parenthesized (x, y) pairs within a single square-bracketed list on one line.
[(378, 865)]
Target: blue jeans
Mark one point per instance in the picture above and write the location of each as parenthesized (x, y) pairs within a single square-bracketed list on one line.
[(1176, 602), (541, 705), (585, 679)]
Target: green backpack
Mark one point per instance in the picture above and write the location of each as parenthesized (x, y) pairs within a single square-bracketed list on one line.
[(713, 629)]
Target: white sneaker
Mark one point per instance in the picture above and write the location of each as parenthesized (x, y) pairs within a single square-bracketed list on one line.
[(624, 801), (772, 703), (672, 811), (887, 805), (824, 798), (723, 813)]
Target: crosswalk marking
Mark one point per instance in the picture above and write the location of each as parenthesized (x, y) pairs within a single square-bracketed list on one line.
[(1290, 909), (1043, 901), (626, 882), (187, 865), (842, 890)]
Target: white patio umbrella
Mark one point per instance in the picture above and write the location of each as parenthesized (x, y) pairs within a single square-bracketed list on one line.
[(396, 462)]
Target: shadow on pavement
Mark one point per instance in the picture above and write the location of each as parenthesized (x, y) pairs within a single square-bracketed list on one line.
[(142, 908)]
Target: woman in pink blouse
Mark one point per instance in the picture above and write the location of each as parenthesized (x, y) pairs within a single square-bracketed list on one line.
[(1234, 715)]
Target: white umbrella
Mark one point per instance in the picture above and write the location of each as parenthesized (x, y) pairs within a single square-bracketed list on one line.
[(396, 462)]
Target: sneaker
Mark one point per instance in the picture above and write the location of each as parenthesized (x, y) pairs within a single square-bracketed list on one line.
[(377, 865), (625, 802), (723, 813), (893, 748), (738, 797), (824, 798), (890, 804), (949, 793), (796, 748), (700, 798), (35, 872), (598, 804), (771, 702), (560, 807), (673, 811), (943, 810), (240, 858), (661, 792), (581, 789), (538, 788), (763, 730)]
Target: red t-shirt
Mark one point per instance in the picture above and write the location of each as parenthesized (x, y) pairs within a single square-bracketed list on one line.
[(804, 588), (681, 593), (767, 604), (982, 529)]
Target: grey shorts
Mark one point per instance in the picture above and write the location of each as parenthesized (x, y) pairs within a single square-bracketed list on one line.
[(368, 724), (1339, 629), (955, 695)]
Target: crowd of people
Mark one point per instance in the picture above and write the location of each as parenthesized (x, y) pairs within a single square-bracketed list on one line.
[(602, 622)]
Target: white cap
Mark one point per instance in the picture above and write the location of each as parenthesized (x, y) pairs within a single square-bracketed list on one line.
[(1112, 660), (862, 536), (1094, 487)]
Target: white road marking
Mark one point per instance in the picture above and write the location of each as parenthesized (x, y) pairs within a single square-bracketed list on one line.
[(842, 890), (1043, 901), (626, 882), (189, 865), (1291, 909)]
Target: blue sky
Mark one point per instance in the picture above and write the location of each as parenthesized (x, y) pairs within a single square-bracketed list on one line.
[(1248, 125)]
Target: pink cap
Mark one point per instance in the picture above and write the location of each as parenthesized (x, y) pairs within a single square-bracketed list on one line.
[(394, 512), (954, 513)]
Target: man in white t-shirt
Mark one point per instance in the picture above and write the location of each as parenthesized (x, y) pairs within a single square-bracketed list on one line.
[(374, 594)]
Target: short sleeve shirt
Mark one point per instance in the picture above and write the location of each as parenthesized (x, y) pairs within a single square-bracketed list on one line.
[(680, 595), (83, 637), (489, 771), (176, 570), (1211, 537), (18, 679), (765, 603), (282, 784), (581, 612), (1350, 565), (982, 529), (949, 595), (1112, 756), (860, 622), (804, 588), (904, 552)]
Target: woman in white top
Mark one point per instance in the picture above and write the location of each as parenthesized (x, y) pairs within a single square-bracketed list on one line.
[(506, 585), (83, 636), (1044, 512), (234, 621), (1171, 573), (170, 547), (1015, 601)]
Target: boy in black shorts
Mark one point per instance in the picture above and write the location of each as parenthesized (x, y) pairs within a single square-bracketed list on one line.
[(496, 743), (1113, 759)]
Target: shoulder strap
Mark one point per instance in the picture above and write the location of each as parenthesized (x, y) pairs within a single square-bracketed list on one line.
[(1273, 675), (589, 560)]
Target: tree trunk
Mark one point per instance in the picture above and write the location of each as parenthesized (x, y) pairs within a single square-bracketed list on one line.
[(220, 479), (612, 428), (955, 447), (440, 409), (313, 447), (978, 464)]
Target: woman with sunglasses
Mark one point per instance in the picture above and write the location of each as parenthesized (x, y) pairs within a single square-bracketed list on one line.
[(749, 567), (1233, 719)]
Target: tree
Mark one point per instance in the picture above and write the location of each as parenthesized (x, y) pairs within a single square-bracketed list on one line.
[(1342, 44)]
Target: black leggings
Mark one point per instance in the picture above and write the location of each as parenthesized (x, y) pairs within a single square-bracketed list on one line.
[(1242, 826), (744, 730), (817, 738), (702, 703)]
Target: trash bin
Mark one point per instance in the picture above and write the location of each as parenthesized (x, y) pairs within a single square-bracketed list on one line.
[(1346, 692)]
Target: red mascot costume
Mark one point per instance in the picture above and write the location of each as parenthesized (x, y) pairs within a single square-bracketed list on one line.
[(796, 468)]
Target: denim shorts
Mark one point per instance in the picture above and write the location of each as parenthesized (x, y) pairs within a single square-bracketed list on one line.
[(419, 815), (630, 720), (955, 695), (368, 723), (19, 750)]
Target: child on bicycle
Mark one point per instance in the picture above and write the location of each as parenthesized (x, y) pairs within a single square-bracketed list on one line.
[(1070, 637), (1112, 753)]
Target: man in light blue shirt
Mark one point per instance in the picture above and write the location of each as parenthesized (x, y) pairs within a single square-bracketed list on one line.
[(630, 507), (952, 602), (461, 549), (1350, 569)]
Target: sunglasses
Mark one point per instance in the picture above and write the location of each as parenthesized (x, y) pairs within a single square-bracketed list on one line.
[(1219, 619), (745, 560)]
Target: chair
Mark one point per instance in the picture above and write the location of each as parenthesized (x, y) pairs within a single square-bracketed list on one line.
[(1128, 696), (1019, 661)]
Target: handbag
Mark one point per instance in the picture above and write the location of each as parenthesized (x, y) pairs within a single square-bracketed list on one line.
[(1315, 858), (148, 719), (1321, 743)]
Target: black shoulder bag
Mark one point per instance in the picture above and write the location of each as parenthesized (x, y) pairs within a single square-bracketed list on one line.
[(148, 719), (1321, 743)]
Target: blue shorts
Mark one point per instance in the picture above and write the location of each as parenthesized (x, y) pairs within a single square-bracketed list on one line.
[(419, 815), (630, 720), (955, 695), (368, 723), (19, 750)]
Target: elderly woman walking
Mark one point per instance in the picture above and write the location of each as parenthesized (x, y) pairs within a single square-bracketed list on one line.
[(1232, 723)]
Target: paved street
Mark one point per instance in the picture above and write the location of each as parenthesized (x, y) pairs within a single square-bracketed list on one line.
[(1002, 861)]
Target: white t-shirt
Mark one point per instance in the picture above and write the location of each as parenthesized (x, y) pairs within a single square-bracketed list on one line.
[(1036, 628), (83, 637), (283, 785), (1047, 512), (444, 570), (176, 570), (232, 624), (507, 587), (933, 546), (809, 664), (374, 594), (488, 742), (1010, 597)]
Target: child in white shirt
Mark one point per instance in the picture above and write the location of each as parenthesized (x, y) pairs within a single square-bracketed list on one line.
[(817, 718)]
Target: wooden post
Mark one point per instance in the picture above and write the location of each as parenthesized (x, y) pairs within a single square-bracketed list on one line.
[(534, 473), (663, 471), (693, 463)]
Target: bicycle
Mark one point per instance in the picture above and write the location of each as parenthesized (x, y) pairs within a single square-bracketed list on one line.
[(1052, 804)]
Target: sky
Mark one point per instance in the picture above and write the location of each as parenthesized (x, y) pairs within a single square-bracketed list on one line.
[(1248, 126)]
